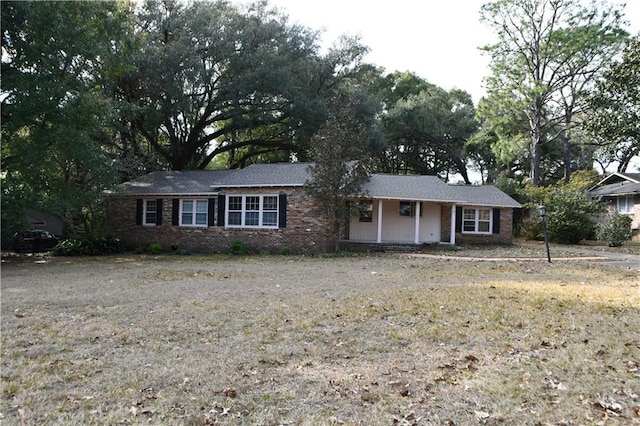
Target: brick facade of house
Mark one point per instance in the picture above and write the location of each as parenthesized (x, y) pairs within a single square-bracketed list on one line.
[(306, 230), (505, 236)]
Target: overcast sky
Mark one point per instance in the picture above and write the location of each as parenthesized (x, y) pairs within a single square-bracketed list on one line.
[(437, 40)]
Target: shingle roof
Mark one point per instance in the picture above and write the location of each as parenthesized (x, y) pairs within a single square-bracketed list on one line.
[(275, 174), (386, 186), (413, 187), (484, 195), (614, 189), (173, 183)]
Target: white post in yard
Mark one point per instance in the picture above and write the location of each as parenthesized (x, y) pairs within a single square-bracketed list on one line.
[(416, 236), (379, 239), (452, 235)]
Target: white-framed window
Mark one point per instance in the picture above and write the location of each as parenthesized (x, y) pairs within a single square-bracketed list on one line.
[(476, 220), (252, 211), (150, 212), (194, 212), (625, 204)]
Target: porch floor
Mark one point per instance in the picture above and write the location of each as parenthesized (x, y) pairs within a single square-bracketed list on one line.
[(372, 247)]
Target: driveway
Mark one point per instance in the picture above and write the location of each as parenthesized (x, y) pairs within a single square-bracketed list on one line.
[(620, 259), (558, 254)]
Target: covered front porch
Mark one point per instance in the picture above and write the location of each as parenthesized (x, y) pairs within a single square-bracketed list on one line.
[(402, 222)]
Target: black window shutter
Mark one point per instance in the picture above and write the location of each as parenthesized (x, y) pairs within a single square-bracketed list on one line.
[(221, 203), (496, 221), (212, 208), (282, 211), (139, 210), (159, 211), (458, 219), (175, 212)]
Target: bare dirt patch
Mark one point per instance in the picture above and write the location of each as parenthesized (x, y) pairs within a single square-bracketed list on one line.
[(379, 339)]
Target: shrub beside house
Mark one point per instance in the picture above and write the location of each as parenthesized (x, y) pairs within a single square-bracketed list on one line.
[(267, 207)]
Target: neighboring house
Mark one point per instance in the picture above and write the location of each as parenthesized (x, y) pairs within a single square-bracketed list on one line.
[(267, 207), (621, 193)]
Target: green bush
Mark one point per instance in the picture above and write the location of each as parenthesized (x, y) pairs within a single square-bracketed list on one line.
[(89, 246), (570, 210), (238, 247), (154, 248), (615, 229), (531, 228)]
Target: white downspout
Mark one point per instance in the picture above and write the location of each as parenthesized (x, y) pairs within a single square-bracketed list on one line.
[(452, 235), (379, 238)]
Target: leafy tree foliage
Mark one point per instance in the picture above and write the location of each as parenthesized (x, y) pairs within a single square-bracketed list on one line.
[(570, 209), (615, 105), (339, 151), (97, 93), (55, 115), (549, 52), (220, 81), (425, 127)]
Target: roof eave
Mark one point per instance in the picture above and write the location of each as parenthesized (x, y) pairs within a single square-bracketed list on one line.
[(265, 185)]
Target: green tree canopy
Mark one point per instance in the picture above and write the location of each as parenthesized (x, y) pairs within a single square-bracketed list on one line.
[(218, 80), (55, 115), (547, 54), (426, 128), (615, 110)]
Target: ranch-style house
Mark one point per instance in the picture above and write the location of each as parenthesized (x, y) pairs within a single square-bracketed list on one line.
[(267, 207)]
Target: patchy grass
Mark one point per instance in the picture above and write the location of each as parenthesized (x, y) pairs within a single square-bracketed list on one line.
[(385, 339)]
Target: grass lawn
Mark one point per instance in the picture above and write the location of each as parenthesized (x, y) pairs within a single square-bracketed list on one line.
[(372, 339)]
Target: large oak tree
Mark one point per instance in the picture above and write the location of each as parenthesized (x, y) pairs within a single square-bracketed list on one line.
[(217, 80)]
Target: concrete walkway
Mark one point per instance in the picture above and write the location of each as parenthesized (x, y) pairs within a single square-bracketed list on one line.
[(606, 257), (621, 259)]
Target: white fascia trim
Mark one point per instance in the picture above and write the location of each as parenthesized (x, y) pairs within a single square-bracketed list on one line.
[(266, 185)]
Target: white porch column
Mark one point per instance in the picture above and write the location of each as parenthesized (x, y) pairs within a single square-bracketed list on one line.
[(416, 234), (452, 234), (379, 238)]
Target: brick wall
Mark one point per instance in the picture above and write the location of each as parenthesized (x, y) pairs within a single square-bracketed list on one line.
[(306, 231), (504, 237)]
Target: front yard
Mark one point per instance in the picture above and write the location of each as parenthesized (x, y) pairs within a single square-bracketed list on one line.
[(372, 339)]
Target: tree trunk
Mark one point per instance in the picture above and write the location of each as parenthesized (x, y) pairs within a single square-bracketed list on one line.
[(536, 158), (536, 141), (566, 156)]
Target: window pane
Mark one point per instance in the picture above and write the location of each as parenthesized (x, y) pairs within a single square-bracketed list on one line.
[(187, 212), (201, 218), (270, 203), (469, 226), (469, 214), (235, 203), (150, 212), (625, 204), (269, 219), (252, 203), (483, 226), (201, 206), (252, 219), (405, 208), (483, 214), (235, 218)]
